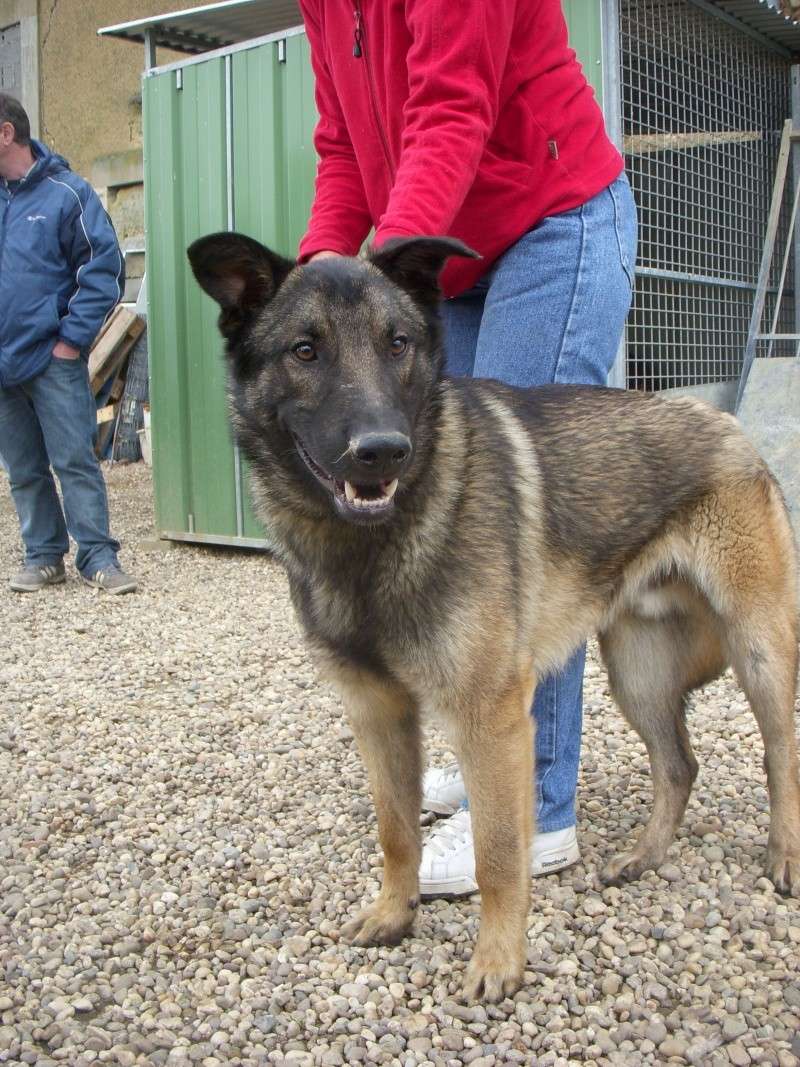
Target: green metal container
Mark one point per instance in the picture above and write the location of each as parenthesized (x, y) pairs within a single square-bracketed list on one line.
[(228, 145), (585, 24)]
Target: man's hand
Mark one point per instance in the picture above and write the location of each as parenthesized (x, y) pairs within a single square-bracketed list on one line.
[(65, 351), (324, 255)]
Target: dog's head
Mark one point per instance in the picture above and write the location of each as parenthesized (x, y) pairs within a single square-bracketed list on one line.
[(333, 362)]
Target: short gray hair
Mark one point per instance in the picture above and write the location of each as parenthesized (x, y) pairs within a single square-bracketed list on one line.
[(11, 110)]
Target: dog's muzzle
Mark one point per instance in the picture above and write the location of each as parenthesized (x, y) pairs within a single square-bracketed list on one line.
[(370, 500)]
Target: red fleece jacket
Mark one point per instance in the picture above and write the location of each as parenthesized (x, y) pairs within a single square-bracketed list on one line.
[(464, 117)]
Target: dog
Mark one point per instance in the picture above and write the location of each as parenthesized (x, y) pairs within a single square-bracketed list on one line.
[(449, 542)]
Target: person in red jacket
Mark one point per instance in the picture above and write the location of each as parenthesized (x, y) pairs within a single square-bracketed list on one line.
[(474, 120)]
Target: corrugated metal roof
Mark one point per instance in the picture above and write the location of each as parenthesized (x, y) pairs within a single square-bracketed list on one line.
[(767, 19), (203, 29)]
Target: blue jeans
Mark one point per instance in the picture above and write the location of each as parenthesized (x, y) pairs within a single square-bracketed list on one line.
[(552, 309), (52, 419)]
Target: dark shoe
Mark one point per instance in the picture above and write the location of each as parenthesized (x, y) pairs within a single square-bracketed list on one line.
[(112, 579), (35, 576)]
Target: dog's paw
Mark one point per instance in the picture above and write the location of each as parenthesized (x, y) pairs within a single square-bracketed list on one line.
[(492, 976), (783, 870), (626, 867), (379, 925)]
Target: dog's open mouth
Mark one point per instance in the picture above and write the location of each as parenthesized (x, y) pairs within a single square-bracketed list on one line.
[(354, 499)]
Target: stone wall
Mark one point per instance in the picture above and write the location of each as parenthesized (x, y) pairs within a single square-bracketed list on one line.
[(85, 98), (91, 105)]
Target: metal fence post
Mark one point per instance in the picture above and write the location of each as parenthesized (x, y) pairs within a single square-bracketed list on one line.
[(612, 110), (795, 183), (149, 50)]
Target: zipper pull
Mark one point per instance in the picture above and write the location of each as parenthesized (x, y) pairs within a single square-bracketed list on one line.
[(358, 35)]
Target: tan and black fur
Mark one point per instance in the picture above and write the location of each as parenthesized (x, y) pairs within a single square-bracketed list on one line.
[(523, 521)]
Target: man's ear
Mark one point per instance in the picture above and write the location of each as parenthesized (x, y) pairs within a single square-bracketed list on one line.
[(239, 273), (414, 263)]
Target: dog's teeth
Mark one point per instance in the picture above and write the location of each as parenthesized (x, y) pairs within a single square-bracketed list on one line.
[(370, 503)]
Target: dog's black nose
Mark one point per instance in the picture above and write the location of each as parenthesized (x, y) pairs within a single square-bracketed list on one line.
[(383, 452)]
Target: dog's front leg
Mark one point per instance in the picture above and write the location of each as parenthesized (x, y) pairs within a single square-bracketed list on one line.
[(385, 723), (496, 749)]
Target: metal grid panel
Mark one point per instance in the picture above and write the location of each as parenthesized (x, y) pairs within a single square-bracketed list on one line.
[(703, 106), (684, 334)]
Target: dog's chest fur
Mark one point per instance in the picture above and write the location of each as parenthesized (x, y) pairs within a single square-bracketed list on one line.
[(377, 609)]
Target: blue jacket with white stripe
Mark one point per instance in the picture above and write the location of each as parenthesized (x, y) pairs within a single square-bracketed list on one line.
[(61, 269)]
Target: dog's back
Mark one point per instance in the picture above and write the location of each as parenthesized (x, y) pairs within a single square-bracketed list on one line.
[(614, 466), (590, 497)]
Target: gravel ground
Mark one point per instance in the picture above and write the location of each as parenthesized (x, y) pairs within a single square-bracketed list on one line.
[(184, 824)]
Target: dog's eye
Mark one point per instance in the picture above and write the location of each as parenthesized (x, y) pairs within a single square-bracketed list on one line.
[(399, 344), (305, 351)]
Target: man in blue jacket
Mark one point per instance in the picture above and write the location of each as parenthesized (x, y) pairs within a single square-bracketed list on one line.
[(61, 272)]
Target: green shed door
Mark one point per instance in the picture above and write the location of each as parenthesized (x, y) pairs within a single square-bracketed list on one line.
[(228, 145), (273, 158), (186, 197)]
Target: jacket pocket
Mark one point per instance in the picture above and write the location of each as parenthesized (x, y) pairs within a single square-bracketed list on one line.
[(31, 318), (29, 331)]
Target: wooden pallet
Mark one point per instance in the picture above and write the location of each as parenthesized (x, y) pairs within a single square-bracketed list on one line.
[(108, 361), (112, 346)]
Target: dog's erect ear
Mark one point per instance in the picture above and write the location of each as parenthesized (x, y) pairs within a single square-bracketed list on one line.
[(238, 272), (414, 263)]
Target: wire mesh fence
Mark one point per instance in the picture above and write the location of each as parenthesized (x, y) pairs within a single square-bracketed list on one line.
[(703, 105)]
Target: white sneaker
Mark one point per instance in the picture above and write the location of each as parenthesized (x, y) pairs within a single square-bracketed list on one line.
[(554, 851), (443, 790), (447, 867)]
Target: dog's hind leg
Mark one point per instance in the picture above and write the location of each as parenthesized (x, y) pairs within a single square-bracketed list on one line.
[(751, 575), (763, 647), (385, 723), (652, 666), (494, 744)]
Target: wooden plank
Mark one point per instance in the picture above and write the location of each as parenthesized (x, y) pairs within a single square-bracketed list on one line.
[(104, 356), (105, 428), (103, 351), (104, 328), (125, 324), (118, 388), (103, 435), (116, 358), (106, 414), (642, 143)]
